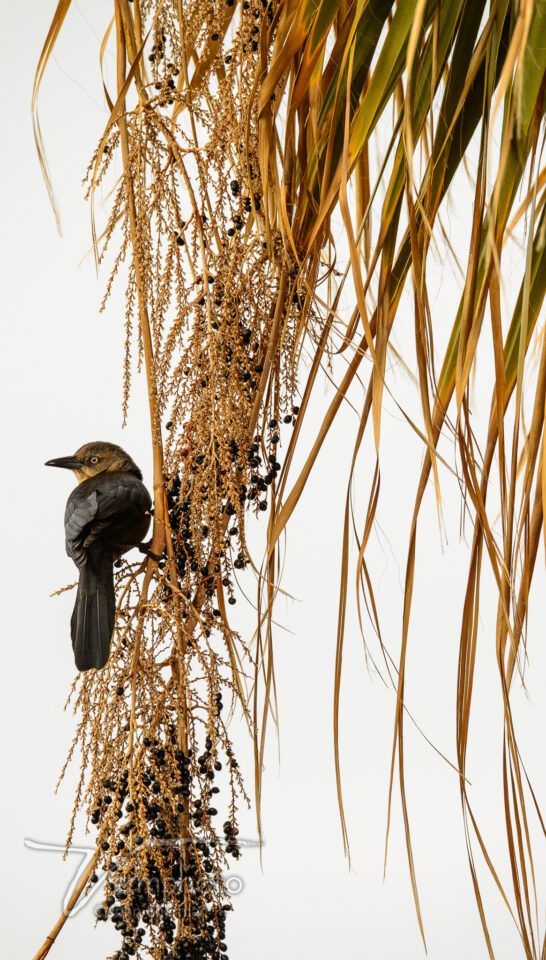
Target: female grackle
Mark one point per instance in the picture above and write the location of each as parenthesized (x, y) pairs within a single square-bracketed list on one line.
[(106, 515)]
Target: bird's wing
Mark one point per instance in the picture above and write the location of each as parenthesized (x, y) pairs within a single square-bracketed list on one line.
[(101, 504), (80, 515), (122, 499)]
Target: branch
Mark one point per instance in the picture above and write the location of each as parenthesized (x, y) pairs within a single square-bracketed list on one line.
[(77, 892)]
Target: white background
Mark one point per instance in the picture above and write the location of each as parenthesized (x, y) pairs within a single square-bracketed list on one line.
[(61, 385)]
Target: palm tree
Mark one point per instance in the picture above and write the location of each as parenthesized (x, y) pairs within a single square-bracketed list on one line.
[(238, 133)]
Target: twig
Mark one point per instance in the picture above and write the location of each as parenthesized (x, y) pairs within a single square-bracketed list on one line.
[(76, 893)]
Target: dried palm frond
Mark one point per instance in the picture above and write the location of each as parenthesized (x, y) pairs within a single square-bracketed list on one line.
[(242, 128)]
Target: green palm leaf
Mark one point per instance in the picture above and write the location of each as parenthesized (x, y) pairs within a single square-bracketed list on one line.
[(240, 150)]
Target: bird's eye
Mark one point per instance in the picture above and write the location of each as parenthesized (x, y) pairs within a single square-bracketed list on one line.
[(94, 460)]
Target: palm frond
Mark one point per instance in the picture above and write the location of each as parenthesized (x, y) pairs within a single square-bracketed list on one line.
[(245, 131)]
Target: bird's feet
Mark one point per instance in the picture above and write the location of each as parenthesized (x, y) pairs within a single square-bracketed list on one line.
[(145, 549)]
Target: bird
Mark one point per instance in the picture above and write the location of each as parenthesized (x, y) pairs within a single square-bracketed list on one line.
[(106, 515)]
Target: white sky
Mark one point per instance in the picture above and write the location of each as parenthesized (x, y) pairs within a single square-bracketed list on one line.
[(61, 383)]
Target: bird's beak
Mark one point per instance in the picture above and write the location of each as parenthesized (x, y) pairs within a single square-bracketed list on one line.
[(68, 463)]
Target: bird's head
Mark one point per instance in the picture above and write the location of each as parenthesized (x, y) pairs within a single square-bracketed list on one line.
[(97, 457)]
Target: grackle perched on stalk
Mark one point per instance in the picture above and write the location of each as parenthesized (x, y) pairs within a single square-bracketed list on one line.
[(106, 515)]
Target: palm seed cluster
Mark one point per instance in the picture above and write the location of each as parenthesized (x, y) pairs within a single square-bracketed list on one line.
[(159, 775), (163, 844)]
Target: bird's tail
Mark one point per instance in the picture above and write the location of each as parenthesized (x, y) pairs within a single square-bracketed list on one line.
[(92, 622)]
